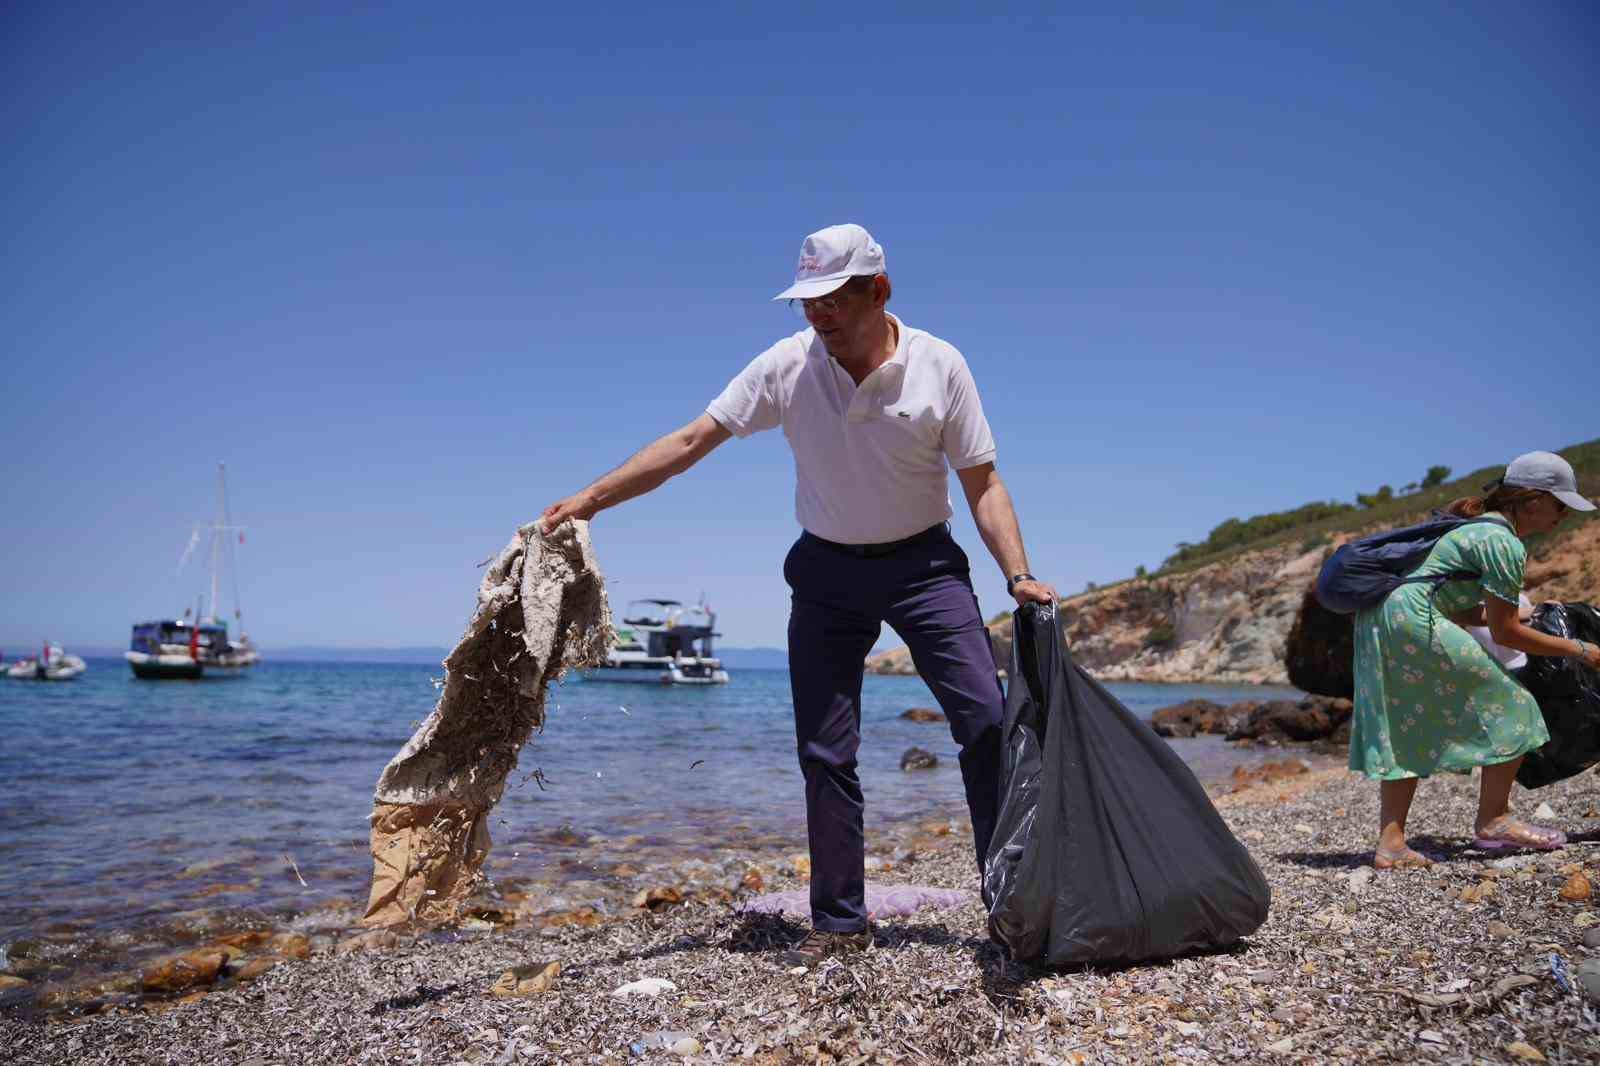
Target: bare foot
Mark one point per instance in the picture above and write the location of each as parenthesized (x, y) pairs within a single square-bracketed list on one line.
[(1405, 858)]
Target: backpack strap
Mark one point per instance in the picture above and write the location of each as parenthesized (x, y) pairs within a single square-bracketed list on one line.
[(1439, 580), (1480, 520)]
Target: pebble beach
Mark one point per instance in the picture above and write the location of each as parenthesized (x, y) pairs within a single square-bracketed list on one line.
[(1482, 958)]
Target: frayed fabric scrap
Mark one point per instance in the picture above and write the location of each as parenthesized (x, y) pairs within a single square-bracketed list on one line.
[(541, 612)]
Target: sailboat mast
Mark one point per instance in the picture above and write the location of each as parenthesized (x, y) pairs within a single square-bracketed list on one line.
[(216, 544)]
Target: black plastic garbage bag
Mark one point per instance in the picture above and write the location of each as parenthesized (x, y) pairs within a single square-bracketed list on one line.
[(1106, 847), (1568, 692)]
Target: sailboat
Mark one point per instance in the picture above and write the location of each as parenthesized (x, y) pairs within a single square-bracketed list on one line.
[(197, 645)]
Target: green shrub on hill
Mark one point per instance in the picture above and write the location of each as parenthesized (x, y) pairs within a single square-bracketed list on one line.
[(1314, 524), (1236, 532), (1161, 636), (1316, 540), (1382, 496)]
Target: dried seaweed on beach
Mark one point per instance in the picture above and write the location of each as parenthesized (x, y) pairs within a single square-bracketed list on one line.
[(1477, 959), (541, 611)]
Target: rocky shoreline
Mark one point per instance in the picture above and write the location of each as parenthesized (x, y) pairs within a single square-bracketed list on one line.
[(201, 939), (1481, 958)]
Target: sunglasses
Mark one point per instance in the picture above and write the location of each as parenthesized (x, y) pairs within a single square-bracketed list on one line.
[(838, 298)]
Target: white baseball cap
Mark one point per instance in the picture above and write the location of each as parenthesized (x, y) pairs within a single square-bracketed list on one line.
[(830, 257), (1550, 473)]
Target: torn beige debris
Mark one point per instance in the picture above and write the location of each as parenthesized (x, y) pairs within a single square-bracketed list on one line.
[(541, 612)]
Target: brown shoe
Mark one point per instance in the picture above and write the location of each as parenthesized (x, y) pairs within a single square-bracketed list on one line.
[(819, 945)]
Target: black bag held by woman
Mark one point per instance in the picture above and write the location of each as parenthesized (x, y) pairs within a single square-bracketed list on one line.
[(1568, 692), (1106, 847)]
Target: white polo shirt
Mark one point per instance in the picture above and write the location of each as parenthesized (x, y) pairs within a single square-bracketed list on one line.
[(872, 462)]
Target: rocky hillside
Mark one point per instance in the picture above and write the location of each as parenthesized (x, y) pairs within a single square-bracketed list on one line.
[(1228, 621), (1225, 623)]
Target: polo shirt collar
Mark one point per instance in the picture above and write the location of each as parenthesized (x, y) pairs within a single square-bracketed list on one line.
[(902, 345), (895, 364)]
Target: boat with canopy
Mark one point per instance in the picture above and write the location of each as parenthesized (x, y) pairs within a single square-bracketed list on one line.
[(197, 644)]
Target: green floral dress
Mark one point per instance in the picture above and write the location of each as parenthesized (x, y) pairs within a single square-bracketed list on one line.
[(1428, 697)]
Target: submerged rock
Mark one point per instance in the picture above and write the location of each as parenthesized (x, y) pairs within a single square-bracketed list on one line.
[(290, 945), (248, 940), (1198, 716), (184, 971), (26, 949), (656, 899), (918, 759), (922, 714), (255, 968)]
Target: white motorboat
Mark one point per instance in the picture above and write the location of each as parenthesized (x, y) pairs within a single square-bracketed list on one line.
[(196, 645), (53, 664), (657, 645)]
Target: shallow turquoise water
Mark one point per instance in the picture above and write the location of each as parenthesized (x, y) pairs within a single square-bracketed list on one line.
[(128, 800)]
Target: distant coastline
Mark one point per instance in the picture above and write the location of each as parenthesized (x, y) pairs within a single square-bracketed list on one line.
[(733, 658), (756, 658)]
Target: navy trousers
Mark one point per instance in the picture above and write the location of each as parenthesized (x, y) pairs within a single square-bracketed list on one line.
[(839, 603)]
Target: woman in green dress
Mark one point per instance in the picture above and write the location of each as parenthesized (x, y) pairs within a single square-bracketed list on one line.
[(1428, 698)]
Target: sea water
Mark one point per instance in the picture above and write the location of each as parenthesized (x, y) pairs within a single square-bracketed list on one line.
[(130, 802)]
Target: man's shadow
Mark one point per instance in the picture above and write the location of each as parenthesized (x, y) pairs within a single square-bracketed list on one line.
[(1003, 979)]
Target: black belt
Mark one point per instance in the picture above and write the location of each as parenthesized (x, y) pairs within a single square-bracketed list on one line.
[(868, 551)]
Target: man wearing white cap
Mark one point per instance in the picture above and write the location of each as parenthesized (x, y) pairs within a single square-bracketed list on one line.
[(876, 414)]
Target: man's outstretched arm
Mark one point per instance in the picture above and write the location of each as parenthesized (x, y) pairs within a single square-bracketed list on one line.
[(997, 524), (648, 468)]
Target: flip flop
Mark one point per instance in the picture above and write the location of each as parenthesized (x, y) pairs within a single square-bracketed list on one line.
[(1547, 839), (1403, 860)]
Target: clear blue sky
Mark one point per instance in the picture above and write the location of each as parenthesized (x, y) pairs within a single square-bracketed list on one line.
[(416, 274)]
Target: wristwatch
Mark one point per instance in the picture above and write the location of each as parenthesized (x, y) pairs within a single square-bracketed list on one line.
[(1016, 579)]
